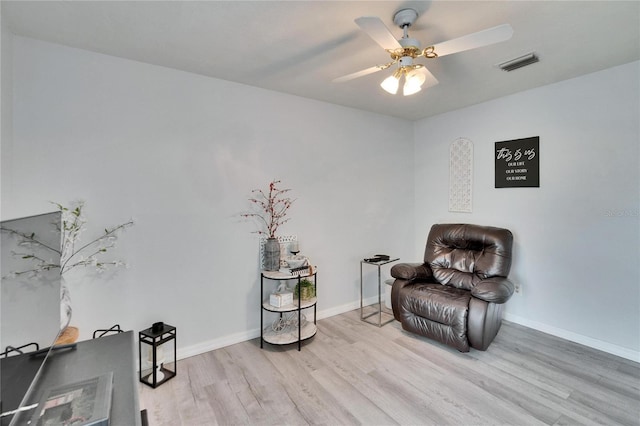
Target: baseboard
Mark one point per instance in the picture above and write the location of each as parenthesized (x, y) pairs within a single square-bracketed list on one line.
[(558, 332), (232, 339), (576, 338), (346, 308), (214, 344)]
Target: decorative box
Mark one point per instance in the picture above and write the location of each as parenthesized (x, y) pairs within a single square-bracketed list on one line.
[(281, 299)]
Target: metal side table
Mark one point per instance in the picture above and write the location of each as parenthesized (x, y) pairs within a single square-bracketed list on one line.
[(378, 312)]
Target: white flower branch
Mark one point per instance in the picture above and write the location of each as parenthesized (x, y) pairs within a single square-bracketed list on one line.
[(73, 225)]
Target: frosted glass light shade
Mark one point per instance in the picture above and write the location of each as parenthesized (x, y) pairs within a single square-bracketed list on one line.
[(413, 82), (408, 89), (390, 84)]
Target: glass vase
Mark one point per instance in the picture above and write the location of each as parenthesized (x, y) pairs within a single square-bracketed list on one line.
[(271, 254), (65, 304)]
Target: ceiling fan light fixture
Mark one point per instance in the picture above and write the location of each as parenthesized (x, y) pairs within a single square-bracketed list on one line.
[(413, 82), (406, 50), (409, 90), (391, 83)]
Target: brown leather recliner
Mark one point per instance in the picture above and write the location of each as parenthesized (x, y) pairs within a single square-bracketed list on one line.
[(457, 295)]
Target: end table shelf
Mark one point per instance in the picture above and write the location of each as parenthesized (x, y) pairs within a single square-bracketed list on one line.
[(307, 331), (379, 311), (291, 326), (289, 308)]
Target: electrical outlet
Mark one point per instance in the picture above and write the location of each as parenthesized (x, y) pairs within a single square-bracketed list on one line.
[(518, 288)]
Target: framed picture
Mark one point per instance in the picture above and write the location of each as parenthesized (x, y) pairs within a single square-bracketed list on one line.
[(80, 404), (517, 163)]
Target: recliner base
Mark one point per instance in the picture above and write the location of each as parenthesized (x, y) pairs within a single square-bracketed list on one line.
[(449, 315)]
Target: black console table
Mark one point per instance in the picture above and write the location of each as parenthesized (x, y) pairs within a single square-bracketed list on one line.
[(89, 359)]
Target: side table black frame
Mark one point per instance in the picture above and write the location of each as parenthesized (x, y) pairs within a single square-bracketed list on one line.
[(311, 330)]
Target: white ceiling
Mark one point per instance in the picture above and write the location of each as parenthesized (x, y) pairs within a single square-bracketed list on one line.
[(298, 47)]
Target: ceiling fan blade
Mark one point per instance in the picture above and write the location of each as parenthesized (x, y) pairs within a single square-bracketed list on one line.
[(378, 31), (474, 40), (430, 80), (358, 74)]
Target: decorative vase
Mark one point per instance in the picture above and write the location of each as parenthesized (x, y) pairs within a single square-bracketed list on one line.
[(271, 254)]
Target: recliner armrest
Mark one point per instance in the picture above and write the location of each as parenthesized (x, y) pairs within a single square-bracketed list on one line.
[(495, 289), (411, 271)]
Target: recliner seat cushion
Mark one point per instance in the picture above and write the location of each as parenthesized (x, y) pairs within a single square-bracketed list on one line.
[(437, 311)]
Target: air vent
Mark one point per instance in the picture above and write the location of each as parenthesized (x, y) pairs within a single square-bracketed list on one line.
[(522, 61)]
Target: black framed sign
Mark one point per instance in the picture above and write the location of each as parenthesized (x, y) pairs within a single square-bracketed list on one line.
[(518, 163)]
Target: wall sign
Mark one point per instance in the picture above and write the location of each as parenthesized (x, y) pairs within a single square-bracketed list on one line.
[(518, 163)]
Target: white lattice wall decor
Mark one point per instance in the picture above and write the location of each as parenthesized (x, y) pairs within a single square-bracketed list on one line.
[(460, 175)]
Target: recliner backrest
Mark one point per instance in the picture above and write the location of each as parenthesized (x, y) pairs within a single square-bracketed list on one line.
[(461, 255)]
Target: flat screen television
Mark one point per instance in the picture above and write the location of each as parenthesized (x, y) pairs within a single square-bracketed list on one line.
[(29, 307)]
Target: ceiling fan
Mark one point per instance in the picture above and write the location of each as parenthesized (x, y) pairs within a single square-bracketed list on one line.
[(405, 50)]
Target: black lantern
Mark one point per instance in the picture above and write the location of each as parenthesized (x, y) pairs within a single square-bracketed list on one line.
[(157, 362)]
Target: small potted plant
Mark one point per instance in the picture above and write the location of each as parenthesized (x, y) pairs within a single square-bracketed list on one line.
[(306, 289)]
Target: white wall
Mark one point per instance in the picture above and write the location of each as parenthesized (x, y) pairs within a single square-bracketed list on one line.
[(6, 96), (179, 153), (577, 246)]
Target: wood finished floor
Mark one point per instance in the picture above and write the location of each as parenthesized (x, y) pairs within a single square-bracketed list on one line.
[(353, 373)]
